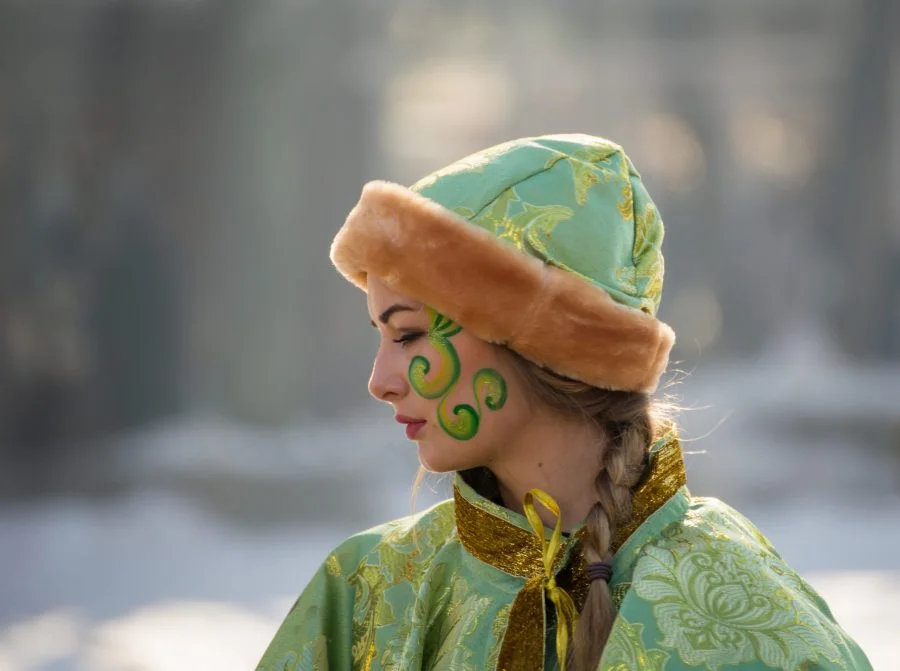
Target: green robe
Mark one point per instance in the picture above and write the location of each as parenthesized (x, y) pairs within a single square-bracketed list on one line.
[(461, 586)]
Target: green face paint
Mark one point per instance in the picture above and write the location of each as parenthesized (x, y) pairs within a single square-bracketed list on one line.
[(488, 385)]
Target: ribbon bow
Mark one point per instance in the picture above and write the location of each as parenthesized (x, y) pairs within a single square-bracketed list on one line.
[(566, 613)]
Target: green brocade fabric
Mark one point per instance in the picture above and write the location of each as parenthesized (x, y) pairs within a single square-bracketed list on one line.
[(573, 201), (697, 586)]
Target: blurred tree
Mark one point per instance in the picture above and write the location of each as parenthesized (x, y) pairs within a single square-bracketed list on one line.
[(297, 132), (854, 190), (134, 320), (42, 344), (98, 138)]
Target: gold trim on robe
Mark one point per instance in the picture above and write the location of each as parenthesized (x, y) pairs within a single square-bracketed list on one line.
[(497, 541)]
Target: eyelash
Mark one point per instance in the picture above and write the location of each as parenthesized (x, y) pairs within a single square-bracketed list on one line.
[(408, 338)]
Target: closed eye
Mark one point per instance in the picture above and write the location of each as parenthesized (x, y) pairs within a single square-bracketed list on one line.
[(407, 338)]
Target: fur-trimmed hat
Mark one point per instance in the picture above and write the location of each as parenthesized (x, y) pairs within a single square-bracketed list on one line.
[(548, 245)]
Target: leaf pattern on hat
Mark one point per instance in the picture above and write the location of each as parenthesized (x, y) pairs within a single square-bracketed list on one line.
[(536, 223), (521, 191), (530, 229), (626, 205), (649, 266), (495, 217), (464, 212), (472, 163), (587, 169), (644, 279)]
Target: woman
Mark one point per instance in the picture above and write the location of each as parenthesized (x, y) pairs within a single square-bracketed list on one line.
[(515, 294)]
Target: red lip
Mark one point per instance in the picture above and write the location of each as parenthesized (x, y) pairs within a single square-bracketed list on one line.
[(413, 429), (413, 425), (403, 419)]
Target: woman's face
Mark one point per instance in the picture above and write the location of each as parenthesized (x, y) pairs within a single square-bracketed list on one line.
[(456, 395)]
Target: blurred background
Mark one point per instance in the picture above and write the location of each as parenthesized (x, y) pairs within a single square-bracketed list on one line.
[(184, 425)]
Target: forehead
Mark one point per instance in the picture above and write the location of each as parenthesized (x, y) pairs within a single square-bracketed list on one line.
[(380, 297)]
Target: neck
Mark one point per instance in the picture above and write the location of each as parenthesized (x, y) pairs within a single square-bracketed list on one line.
[(560, 455)]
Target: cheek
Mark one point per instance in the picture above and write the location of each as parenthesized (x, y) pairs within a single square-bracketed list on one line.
[(479, 400), (503, 424), (441, 452), (486, 375)]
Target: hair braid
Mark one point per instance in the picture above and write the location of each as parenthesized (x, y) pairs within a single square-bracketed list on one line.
[(627, 422), (623, 461)]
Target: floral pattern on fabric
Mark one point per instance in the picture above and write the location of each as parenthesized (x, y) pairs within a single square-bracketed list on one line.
[(315, 654), (625, 649), (721, 599), (460, 620), (397, 563), (700, 588)]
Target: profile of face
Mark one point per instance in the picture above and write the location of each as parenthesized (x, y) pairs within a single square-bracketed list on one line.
[(458, 396)]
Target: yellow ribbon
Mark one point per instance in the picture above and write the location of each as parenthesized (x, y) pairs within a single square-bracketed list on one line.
[(566, 613)]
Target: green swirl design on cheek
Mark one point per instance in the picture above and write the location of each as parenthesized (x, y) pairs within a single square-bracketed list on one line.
[(445, 376), (464, 421), (488, 385)]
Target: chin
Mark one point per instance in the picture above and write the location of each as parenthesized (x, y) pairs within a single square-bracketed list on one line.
[(443, 458), (434, 464)]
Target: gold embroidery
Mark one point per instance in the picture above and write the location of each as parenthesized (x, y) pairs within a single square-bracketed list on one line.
[(587, 167), (495, 541), (523, 644), (536, 223), (333, 566), (618, 592), (512, 549), (370, 579), (666, 476), (566, 614), (370, 656), (461, 618), (626, 205), (363, 650), (574, 577), (494, 215), (497, 630), (649, 266)]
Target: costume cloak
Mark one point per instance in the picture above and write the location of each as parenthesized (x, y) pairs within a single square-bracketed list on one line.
[(462, 586)]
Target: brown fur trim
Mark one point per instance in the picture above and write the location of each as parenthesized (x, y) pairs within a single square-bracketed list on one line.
[(550, 316)]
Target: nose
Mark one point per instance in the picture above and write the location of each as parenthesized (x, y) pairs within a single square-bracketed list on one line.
[(388, 381)]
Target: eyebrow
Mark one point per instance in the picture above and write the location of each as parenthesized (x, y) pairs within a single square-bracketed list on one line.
[(385, 316)]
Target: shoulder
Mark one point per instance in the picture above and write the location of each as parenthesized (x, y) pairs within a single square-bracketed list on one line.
[(710, 590), (716, 559), (414, 537), (709, 519), (349, 586)]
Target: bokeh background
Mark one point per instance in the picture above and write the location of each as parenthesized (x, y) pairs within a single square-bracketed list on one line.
[(184, 425)]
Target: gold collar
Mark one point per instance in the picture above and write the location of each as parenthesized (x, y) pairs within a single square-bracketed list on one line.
[(503, 539)]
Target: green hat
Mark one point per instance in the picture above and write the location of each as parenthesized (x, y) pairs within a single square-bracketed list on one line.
[(548, 245)]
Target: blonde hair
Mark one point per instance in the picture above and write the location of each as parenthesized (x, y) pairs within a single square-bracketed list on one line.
[(628, 421)]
